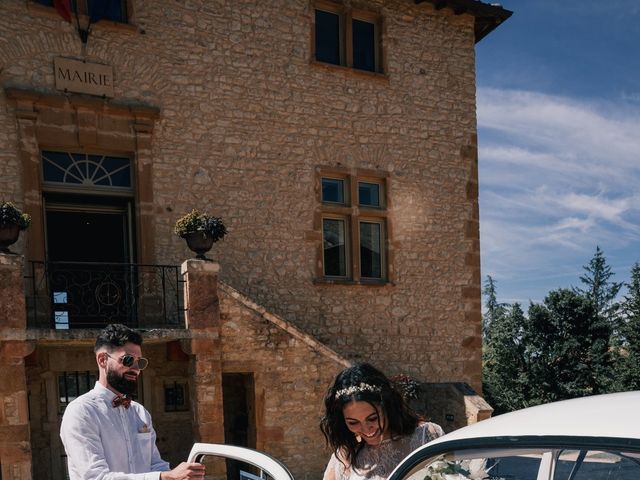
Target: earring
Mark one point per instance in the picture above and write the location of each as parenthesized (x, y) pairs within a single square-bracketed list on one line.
[(358, 438)]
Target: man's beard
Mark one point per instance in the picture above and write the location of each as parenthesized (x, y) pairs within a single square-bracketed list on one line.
[(121, 384)]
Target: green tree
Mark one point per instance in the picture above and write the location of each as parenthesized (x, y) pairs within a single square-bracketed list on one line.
[(567, 348), (628, 371), (600, 289), (493, 309), (562, 348), (504, 368)]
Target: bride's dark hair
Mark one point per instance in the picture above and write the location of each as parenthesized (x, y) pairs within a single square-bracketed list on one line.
[(363, 382)]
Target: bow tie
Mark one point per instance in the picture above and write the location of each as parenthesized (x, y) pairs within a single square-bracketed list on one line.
[(121, 400)]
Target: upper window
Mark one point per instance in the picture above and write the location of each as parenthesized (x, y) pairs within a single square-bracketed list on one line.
[(347, 37), (333, 190), (82, 170), (114, 10), (369, 194), (354, 227)]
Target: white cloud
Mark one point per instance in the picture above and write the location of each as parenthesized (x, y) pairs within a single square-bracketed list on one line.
[(558, 176)]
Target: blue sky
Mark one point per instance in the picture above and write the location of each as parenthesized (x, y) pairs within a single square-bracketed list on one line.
[(559, 143)]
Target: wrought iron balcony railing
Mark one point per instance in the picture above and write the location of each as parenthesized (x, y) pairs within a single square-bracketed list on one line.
[(68, 295)]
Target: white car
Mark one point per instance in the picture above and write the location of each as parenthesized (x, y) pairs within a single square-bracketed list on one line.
[(591, 438)]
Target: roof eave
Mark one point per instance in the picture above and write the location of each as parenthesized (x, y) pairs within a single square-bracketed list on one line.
[(487, 16)]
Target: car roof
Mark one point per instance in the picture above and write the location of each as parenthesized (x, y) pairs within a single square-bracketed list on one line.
[(615, 415)]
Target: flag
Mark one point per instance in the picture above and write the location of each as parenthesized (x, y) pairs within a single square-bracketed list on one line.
[(63, 7)]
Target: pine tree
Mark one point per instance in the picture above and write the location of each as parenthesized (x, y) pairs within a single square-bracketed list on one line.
[(628, 374), (504, 368), (600, 289), (494, 309)]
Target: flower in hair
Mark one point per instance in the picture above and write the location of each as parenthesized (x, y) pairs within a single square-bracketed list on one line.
[(353, 389)]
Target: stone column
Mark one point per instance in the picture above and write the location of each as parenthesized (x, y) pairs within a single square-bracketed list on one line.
[(204, 346), (144, 191), (29, 153), (15, 440), (471, 293)]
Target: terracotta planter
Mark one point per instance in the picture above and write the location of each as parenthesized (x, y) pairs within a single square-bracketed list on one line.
[(199, 242), (8, 236)]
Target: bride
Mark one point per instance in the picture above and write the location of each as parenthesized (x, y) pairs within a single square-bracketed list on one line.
[(369, 426)]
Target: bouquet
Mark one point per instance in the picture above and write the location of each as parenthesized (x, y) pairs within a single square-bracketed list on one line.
[(472, 469)]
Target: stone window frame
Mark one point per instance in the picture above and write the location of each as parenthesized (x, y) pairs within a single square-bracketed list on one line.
[(129, 132), (354, 214), (346, 15)]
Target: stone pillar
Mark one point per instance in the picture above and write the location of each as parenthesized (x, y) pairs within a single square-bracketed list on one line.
[(144, 191), (471, 293), (15, 440), (204, 346), (29, 153)]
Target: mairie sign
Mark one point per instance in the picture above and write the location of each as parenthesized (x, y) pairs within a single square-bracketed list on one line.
[(83, 77)]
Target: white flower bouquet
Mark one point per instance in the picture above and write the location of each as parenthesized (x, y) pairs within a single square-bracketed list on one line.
[(473, 469)]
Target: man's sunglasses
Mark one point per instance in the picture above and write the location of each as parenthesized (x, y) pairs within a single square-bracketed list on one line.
[(128, 361)]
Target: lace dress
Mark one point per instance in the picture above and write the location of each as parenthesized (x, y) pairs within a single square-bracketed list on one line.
[(377, 462)]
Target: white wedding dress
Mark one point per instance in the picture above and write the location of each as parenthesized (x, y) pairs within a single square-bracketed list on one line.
[(377, 462)]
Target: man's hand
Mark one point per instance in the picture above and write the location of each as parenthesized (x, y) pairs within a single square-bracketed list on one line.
[(184, 471)]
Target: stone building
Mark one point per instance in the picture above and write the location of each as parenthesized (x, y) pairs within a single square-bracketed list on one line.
[(337, 140)]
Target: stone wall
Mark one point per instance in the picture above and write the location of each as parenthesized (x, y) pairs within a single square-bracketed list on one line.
[(246, 117), (451, 405), (15, 451), (292, 373)]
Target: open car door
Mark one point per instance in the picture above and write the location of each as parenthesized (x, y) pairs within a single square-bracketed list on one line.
[(247, 464)]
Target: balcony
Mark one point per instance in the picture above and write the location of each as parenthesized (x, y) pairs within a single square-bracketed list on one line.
[(75, 295)]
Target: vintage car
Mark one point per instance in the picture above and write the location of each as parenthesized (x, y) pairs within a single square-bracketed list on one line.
[(591, 438)]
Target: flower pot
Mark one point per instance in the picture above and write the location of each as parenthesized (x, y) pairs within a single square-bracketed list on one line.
[(8, 236), (199, 242)]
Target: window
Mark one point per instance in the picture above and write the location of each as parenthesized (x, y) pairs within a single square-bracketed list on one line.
[(73, 384), (531, 463), (353, 223), (115, 10), (334, 240), (176, 397), (86, 171), (328, 37), (347, 37)]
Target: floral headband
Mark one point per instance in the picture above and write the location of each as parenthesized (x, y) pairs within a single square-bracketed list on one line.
[(362, 387)]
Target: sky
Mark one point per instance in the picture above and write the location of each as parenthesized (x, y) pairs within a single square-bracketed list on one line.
[(558, 88)]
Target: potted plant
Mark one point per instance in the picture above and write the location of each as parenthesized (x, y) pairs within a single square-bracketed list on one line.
[(12, 221), (200, 230)]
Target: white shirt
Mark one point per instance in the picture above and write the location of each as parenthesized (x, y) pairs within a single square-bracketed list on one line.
[(107, 443)]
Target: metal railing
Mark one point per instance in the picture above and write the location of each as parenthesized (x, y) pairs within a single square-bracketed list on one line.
[(69, 295)]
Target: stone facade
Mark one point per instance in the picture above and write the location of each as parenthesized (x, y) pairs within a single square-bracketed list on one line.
[(221, 106), (246, 118), (227, 334)]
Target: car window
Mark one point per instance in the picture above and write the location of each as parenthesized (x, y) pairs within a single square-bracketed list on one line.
[(230, 469), (531, 464), (596, 465)]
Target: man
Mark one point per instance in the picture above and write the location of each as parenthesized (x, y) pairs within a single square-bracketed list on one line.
[(107, 435)]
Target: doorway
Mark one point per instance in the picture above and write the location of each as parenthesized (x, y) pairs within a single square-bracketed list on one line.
[(89, 256), (238, 397)]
